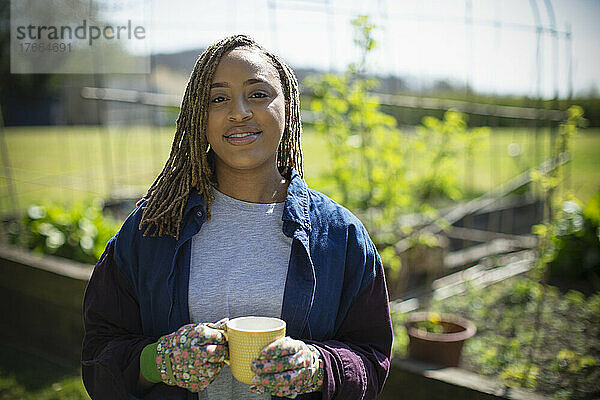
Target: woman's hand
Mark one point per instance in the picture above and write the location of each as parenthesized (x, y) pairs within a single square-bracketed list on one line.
[(191, 357), (287, 368)]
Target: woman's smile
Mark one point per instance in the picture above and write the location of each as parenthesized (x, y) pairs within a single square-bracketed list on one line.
[(242, 135)]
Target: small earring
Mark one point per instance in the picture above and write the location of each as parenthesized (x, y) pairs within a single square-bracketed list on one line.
[(208, 148)]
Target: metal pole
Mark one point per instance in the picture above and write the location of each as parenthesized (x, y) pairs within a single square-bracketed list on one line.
[(7, 169), (105, 140), (554, 33), (330, 35), (569, 37), (538, 83), (469, 44), (156, 123), (569, 96), (273, 24)]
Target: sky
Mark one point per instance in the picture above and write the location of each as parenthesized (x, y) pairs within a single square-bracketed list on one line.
[(419, 40)]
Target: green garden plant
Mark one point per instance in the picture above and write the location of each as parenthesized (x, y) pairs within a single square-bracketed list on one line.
[(432, 325), (551, 184), (576, 244), (567, 366), (534, 343), (530, 335), (78, 233), (377, 170)]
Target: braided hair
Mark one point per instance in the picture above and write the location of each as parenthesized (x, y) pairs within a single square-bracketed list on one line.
[(191, 163)]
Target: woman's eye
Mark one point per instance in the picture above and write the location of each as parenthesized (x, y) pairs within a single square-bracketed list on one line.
[(258, 95), (218, 99)]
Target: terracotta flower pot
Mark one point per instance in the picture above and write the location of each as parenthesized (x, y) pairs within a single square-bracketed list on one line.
[(439, 348)]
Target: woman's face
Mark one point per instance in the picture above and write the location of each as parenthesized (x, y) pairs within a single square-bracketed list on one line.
[(246, 114)]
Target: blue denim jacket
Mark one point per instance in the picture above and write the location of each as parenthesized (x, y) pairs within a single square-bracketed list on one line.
[(334, 297)]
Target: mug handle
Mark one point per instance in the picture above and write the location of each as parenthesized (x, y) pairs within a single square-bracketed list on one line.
[(221, 326), (226, 334)]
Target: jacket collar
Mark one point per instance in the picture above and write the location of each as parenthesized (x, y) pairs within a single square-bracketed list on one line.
[(296, 203)]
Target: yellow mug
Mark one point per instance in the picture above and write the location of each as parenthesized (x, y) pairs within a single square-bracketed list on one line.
[(246, 337)]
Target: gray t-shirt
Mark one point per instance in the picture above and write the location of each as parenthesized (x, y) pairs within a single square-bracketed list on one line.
[(238, 267)]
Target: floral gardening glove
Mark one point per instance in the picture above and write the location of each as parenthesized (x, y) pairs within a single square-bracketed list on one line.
[(191, 357), (287, 368)]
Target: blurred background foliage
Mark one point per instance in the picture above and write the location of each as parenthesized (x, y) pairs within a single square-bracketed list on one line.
[(566, 359), (79, 232), (357, 152), (370, 170)]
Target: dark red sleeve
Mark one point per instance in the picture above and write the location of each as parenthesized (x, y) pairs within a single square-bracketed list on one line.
[(357, 362), (113, 341)]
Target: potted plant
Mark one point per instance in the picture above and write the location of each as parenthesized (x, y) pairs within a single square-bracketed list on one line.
[(437, 338)]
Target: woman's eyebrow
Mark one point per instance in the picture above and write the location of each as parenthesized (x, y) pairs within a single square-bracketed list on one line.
[(219, 84), (253, 81), (250, 81)]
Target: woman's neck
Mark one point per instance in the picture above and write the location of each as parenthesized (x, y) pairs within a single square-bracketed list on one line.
[(253, 186)]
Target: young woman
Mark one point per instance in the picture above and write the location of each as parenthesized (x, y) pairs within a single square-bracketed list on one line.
[(229, 228)]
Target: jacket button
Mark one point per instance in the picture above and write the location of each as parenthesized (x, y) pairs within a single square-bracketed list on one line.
[(200, 214)]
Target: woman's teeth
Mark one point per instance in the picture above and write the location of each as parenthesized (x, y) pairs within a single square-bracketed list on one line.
[(240, 135)]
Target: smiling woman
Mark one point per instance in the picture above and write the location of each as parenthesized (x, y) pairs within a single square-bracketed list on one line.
[(245, 124), (229, 229)]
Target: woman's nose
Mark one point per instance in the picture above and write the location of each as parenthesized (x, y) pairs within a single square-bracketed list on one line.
[(240, 110)]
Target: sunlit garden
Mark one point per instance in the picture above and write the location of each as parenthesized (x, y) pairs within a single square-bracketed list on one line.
[(487, 218)]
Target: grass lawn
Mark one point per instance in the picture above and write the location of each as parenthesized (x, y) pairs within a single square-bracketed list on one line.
[(494, 166), (70, 164)]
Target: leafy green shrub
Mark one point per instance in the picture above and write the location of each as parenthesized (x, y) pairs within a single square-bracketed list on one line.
[(569, 245), (79, 233), (576, 243)]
